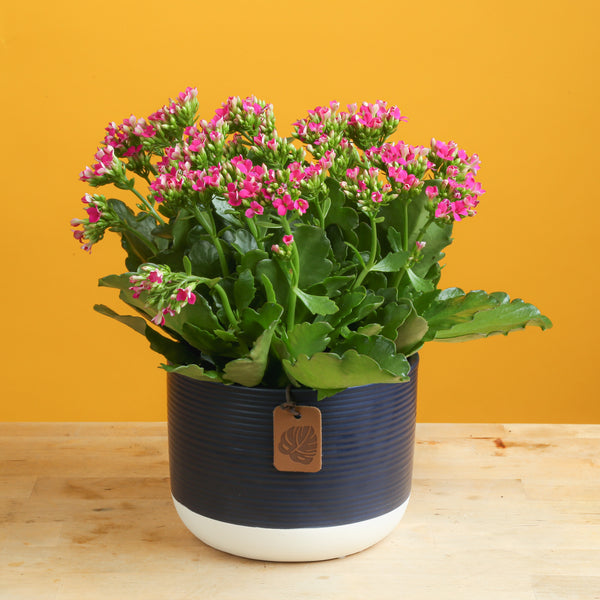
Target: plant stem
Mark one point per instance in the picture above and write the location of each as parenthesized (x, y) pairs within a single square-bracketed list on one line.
[(400, 274), (226, 305), (254, 230), (148, 243), (147, 205), (405, 236), (295, 263), (372, 255), (319, 211)]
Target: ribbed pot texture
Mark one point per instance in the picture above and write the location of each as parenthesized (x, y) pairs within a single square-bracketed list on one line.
[(221, 454)]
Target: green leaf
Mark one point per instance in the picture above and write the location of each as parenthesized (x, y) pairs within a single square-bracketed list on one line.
[(496, 314), (244, 290), (205, 259), (136, 234), (251, 258), (200, 314), (173, 351), (393, 262), (347, 303), (322, 394), (338, 214), (249, 371), (181, 227), (309, 338), (343, 216), (436, 237), (380, 349), (410, 335), (420, 284), (332, 286), (194, 372), (242, 240), (209, 343), (395, 239), (187, 265), (313, 250), (226, 212), (273, 270), (369, 304), (370, 329), (120, 282), (318, 305), (326, 370), (452, 306), (253, 322)]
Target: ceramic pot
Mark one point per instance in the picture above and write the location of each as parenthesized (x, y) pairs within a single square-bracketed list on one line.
[(228, 493)]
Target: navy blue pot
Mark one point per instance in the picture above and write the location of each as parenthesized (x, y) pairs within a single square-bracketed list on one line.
[(228, 493)]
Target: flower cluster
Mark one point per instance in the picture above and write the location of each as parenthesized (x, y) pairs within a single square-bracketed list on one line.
[(107, 169), (100, 217), (367, 188), (250, 115), (169, 292), (370, 124), (323, 130), (239, 156), (457, 194), (135, 139)]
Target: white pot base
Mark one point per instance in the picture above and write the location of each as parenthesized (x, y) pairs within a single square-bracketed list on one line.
[(290, 545)]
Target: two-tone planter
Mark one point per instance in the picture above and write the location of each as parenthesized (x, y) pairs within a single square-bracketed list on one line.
[(229, 494)]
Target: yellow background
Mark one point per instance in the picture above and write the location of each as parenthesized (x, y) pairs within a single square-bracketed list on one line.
[(514, 81)]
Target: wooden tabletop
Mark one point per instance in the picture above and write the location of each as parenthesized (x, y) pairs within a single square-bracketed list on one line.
[(507, 512)]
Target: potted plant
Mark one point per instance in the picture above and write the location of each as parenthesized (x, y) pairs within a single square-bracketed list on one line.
[(289, 283)]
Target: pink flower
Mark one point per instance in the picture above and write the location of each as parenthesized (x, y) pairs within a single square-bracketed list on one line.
[(132, 151), (376, 197), (444, 151), (93, 213), (155, 276), (288, 239), (301, 205), (255, 209), (443, 209), (431, 192), (189, 94), (159, 318), (283, 204), (214, 179), (186, 295), (233, 195), (459, 210)]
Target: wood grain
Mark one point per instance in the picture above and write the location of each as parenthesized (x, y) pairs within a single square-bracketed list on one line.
[(497, 512)]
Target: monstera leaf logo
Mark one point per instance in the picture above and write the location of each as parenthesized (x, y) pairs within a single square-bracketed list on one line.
[(299, 443)]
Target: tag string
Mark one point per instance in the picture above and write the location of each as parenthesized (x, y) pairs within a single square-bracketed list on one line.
[(289, 404)]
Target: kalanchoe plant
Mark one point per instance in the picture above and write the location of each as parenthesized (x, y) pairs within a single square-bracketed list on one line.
[(313, 260)]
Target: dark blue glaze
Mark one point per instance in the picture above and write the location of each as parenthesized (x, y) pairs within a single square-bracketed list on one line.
[(221, 453)]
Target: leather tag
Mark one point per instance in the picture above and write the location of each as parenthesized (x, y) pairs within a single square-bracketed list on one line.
[(297, 439)]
